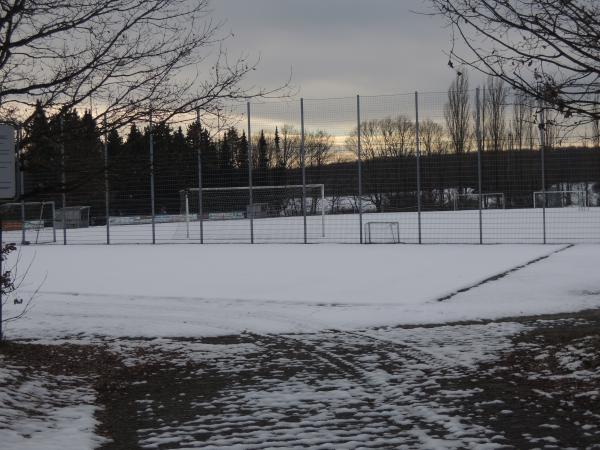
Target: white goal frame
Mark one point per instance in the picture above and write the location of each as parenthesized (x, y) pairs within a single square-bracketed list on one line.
[(500, 195), (22, 206), (584, 196), (394, 226), (247, 188)]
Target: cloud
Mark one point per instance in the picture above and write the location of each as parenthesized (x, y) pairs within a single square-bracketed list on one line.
[(340, 47)]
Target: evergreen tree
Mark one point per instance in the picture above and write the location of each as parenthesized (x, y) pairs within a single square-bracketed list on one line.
[(227, 149), (241, 154), (41, 159), (263, 153)]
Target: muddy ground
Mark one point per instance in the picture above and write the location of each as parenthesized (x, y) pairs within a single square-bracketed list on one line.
[(518, 383)]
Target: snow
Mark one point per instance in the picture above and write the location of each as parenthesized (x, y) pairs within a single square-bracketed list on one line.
[(396, 393), (171, 290), (46, 412), (499, 226), (347, 401)]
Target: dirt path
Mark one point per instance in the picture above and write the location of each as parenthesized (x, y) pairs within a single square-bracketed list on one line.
[(519, 383)]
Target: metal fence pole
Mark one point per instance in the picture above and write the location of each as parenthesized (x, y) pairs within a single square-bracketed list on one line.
[(1, 271), (359, 161), (250, 181), (200, 199), (106, 182), (63, 180), (303, 166), (479, 174), (152, 199), (542, 127), (21, 188), (323, 210), (418, 145)]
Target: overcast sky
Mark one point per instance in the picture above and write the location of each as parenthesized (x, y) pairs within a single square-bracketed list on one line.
[(337, 48)]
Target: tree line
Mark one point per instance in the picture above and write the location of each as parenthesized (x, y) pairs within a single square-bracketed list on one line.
[(65, 153)]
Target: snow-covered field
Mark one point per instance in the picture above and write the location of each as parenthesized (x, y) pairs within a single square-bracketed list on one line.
[(306, 367), (563, 225), (174, 290)]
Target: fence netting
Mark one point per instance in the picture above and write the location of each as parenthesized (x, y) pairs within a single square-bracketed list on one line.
[(463, 166)]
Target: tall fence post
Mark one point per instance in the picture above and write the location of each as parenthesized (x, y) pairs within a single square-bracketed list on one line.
[(303, 166), (21, 187), (542, 127), (63, 179), (359, 163), (418, 145), (200, 198), (250, 181), (1, 271), (106, 182), (152, 199), (479, 174)]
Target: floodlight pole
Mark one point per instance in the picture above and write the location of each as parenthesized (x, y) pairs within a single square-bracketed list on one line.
[(250, 159), (418, 145), (200, 199), (359, 160), (303, 166), (479, 180)]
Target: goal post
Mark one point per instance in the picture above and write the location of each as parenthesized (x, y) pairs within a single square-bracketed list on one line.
[(231, 203), (34, 221), (489, 200), (378, 232), (560, 199)]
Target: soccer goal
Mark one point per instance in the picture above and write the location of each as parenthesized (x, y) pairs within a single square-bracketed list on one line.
[(33, 222), (382, 232), (489, 200), (560, 199), (235, 203)]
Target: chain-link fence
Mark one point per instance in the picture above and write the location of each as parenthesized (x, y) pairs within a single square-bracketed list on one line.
[(461, 166)]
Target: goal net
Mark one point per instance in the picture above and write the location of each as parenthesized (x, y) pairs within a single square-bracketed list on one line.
[(238, 203), (560, 199), (382, 233), (29, 222), (491, 200)]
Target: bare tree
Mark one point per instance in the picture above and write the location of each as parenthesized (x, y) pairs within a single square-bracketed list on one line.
[(496, 96), (457, 114), (289, 157), (128, 56), (431, 135), (318, 147), (397, 136), (547, 49), (521, 118), (370, 141)]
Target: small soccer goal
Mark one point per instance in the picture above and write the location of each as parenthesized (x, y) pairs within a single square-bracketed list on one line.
[(30, 222), (560, 199), (382, 233), (489, 200)]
